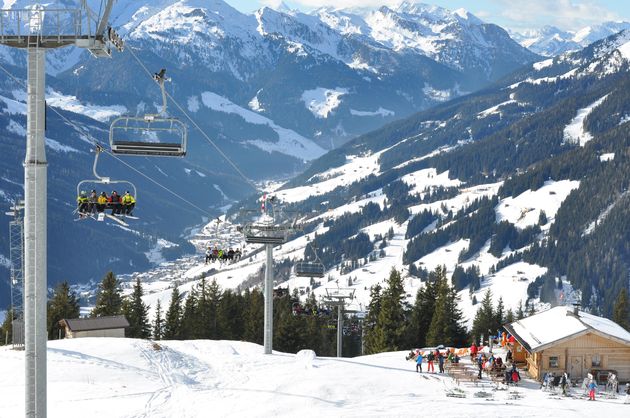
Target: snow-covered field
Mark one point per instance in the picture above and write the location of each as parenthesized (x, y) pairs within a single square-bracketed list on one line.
[(100, 377)]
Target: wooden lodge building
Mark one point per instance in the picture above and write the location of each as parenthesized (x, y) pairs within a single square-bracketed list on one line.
[(565, 339), (105, 326)]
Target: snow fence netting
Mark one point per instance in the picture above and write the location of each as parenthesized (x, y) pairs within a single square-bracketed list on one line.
[(305, 358)]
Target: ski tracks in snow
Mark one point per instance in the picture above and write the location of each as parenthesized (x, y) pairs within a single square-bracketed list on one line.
[(182, 373), (171, 367)]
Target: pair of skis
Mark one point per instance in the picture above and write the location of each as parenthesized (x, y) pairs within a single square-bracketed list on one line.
[(100, 217)]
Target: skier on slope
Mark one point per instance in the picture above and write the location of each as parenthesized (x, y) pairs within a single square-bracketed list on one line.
[(440, 358), (419, 362), (480, 361), (430, 358)]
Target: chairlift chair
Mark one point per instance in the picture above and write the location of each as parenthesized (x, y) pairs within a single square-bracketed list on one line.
[(104, 180), (151, 134), (310, 268)]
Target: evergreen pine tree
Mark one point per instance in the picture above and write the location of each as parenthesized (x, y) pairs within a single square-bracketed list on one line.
[(63, 305), (519, 311), (158, 322), (531, 310), (485, 318), (509, 316), (137, 314), (6, 330), (499, 315), (542, 218), (422, 314), (108, 297), (230, 316), (172, 321), (254, 309), (447, 323), (191, 322), (289, 330), (620, 311), (371, 321), (214, 299), (392, 318)]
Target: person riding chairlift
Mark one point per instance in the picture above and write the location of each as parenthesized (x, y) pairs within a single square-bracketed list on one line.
[(82, 204), (101, 202), (128, 202), (115, 203)]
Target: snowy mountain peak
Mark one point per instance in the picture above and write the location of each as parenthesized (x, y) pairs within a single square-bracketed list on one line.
[(552, 41)]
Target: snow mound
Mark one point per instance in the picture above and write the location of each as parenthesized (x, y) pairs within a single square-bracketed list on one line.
[(305, 358)]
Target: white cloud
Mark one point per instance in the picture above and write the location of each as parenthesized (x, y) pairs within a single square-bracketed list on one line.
[(565, 14)]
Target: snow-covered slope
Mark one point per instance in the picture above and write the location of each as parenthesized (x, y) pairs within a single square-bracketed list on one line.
[(482, 182), (134, 378)]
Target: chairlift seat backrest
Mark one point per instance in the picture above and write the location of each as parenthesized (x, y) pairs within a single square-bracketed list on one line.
[(149, 135), (307, 269)]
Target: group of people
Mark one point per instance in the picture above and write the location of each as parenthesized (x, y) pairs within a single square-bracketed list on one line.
[(96, 203), (432, 357), (491, 363), (220, 255), (298, 309)]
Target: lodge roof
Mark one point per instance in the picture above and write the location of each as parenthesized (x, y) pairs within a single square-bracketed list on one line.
[(95, 324), (561, 323)]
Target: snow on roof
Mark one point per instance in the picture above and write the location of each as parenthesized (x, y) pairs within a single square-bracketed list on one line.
[(540, 330)]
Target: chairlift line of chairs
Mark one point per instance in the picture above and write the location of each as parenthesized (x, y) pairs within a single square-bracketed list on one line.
[(151, 135)]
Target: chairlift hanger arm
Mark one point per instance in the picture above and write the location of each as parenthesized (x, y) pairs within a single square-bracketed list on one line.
[(105, 18), (98, 151)]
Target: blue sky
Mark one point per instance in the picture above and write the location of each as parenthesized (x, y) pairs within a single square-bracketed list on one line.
[(513, 14)]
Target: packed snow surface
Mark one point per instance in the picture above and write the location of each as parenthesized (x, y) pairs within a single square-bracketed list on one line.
[(321, 101), (72, 104), (574, 132), (356, 168), (543, 64), (625, 50), (108, 377), (289, 142), (524, 209)]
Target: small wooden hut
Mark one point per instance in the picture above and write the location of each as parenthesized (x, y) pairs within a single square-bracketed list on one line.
[(565, 339)]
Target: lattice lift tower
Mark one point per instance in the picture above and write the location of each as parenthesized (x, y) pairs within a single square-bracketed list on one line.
[(38, 29), (16, 253)]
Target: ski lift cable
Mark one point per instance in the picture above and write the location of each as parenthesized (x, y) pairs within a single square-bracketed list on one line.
[(207, 138), (97, 143)]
